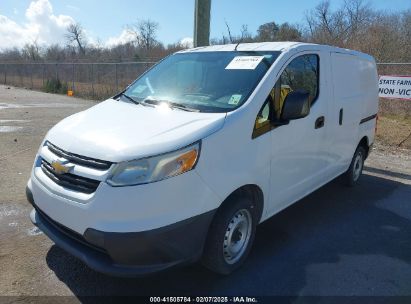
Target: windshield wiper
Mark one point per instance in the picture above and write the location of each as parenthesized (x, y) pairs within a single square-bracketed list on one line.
[(136, 101), (129, 98), (171, 104), (181, 106)]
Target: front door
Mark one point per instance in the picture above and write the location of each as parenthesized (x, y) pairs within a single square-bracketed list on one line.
[(300, 161)]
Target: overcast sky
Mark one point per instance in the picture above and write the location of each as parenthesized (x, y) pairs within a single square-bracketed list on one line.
[(25, 21)]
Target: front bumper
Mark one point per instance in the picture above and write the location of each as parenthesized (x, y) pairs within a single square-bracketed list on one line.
[(129, 254)]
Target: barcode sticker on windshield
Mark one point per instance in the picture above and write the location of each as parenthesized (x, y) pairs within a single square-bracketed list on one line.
[(234, 99), (244, 63)]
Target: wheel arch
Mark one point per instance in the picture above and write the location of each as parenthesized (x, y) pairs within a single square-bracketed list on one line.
[(251, 191), (364, 142)]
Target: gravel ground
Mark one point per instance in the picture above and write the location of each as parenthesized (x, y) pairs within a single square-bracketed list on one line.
[(336, 241)]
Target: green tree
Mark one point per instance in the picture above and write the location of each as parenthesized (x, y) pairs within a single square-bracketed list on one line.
[(267, 32)]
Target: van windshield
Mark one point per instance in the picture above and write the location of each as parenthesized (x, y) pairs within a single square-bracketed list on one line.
[(204, 81)]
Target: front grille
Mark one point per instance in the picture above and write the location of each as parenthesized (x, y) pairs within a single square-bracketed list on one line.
[(79, 159), (70, 181)]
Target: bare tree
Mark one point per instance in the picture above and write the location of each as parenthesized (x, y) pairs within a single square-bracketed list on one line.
[(54, 53), (145, 32), (321, 23), (31, 51), (12, 54), (245, 34), (355, 25), (343, 27), (230, 37), (75, 33)]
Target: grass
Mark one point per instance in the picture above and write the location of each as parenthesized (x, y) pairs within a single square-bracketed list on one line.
[(394, 130)]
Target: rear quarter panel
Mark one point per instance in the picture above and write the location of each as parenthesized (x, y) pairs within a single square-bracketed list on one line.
[(355, 90)]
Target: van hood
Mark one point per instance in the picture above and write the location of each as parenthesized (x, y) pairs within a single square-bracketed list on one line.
[(118, 131)]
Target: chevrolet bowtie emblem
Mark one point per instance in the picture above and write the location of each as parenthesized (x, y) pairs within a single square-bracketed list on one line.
[(61, 166)]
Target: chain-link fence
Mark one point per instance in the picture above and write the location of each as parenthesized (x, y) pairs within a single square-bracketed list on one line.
[(392, 68), (101, 80), (88, 80)]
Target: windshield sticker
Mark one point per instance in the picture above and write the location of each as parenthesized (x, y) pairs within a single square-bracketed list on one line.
[(235, 99), (139, 89), (244, 63)]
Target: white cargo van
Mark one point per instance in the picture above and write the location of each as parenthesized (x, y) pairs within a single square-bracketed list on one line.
[(183, 164)]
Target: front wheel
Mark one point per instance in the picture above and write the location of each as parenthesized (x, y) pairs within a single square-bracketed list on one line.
[(354, 172), (231, 236)]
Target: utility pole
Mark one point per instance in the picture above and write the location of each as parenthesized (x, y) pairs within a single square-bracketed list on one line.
[(202, 22)]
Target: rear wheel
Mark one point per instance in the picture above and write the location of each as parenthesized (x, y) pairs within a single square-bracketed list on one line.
[(354, 172), (231, 236)]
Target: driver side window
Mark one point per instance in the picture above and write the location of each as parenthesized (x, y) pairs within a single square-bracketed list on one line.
[(302, 73)]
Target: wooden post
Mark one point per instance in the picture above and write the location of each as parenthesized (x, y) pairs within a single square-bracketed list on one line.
[(72, 86), (44, 72), (116, 79), (202, 22), (31, 76), (92, 78)]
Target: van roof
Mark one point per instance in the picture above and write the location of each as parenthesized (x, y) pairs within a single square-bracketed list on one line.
[(282, 46)]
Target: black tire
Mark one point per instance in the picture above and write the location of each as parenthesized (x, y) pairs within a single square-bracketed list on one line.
[(353, 174), (215, 251)]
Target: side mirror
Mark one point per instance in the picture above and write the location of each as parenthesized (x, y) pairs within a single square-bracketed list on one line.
[(296, 105)]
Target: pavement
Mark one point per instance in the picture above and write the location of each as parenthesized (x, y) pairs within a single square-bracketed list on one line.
[(338, 241)]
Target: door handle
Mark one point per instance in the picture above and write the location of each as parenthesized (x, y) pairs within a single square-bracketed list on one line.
[(319, 122), (341, 116)]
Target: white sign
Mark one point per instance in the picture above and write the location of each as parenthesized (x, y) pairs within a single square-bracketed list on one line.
[(395, 87), (244, 63)]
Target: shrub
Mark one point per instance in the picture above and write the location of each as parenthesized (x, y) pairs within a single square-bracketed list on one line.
[(55, 86)]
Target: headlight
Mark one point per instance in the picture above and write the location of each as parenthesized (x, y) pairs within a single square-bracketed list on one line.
[(156, 168)]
